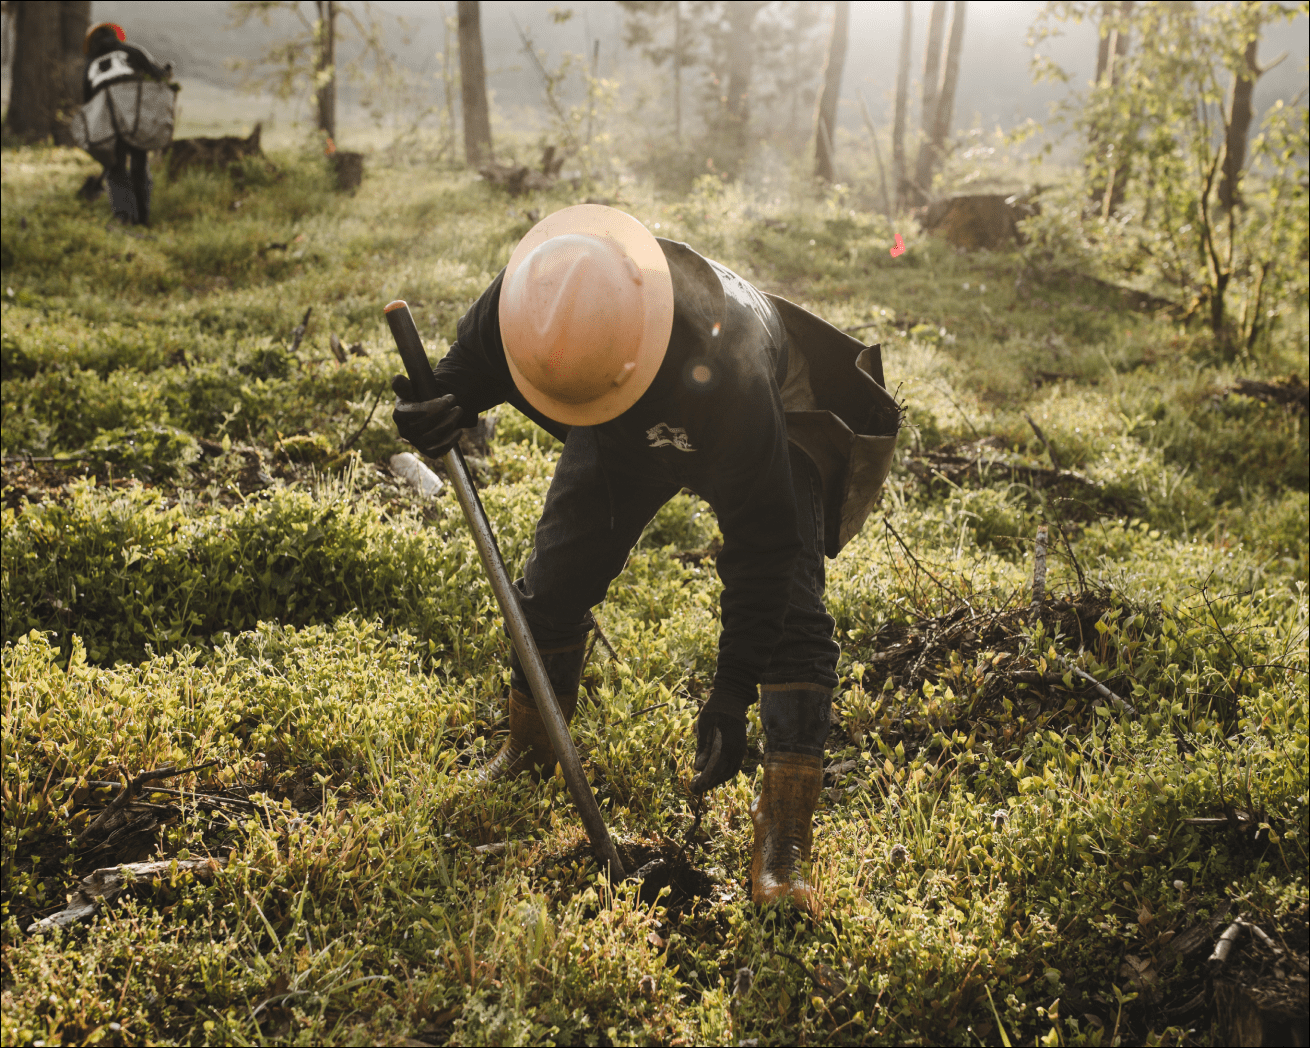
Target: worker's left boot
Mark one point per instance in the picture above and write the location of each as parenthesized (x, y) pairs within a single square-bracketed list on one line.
[(529, 745), (795, 718)]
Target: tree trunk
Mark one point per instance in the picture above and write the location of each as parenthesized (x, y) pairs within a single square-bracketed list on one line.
[(899, 176), (741, 52), (932, 55), (46, 83), (941, 127), (677, 71), (877, 155), (325, 67), (1103, 42), (1239, 126), (448, 60), (825, 123), (1116, 47), (473, 84)]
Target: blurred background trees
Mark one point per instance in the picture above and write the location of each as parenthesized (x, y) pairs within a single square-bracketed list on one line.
[(1176, 161), (1173, 191), (47, 68)]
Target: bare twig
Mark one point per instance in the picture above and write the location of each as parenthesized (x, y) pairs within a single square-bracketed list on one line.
[(1082, 579), (178, 793), (1039, 567), (1101, 689), (545, 76), (360, 432), (1055, 460), (338, 350), (945, 588), (600, 635), (972, 428), (298, 332), (699, 811)]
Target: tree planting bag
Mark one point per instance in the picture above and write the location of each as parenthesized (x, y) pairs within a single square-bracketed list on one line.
[(139, 112)]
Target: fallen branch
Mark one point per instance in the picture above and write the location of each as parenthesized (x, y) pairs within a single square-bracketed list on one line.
[(1225, 945), (101, 886), (1101, 689), (112, 817), (1290, 392), (197, 797)]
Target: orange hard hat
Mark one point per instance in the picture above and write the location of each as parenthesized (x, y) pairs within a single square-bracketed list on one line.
[(86, 40), (586, 308)]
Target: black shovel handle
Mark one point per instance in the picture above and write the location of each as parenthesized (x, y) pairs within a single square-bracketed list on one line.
[(425, 388)]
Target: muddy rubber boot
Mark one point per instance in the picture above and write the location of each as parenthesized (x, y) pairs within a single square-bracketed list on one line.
[(795, 718), (528, 745)]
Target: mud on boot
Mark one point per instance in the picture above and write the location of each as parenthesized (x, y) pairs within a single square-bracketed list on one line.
[(795, 718), (529, 745)]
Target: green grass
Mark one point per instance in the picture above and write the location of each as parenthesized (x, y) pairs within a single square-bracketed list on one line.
[(331, 642)]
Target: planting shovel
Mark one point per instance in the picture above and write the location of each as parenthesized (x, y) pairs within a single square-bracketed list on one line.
[(425, 388)]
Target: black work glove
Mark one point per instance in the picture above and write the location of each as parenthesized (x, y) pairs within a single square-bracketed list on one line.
[(720, 741), (432, 426)]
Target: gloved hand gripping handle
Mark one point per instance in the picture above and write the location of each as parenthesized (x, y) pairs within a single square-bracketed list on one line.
[(425, 388)]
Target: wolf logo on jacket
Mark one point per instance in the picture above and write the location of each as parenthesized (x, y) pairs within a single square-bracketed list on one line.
[(662, 435), (627, 347)]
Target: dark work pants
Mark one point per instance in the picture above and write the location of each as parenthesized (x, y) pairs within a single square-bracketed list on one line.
[(129, 195), (601, 499)]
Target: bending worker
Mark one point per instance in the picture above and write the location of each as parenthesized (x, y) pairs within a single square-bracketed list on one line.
[(111, 60), (660, 370)]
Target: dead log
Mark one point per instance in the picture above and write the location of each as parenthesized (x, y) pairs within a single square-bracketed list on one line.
[(101, 886), (212, 152), (1290, 391)]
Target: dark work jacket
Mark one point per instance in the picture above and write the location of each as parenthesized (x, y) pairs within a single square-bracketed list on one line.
[(727, 435), (114, 64)]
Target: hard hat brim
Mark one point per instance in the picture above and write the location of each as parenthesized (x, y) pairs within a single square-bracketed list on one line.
[(639, 244)]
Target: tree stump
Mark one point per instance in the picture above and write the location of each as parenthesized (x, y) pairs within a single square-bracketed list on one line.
[(984, 220), (349, 169)]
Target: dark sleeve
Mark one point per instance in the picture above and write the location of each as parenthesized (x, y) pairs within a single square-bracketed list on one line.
[(755, 504), (474, 369)]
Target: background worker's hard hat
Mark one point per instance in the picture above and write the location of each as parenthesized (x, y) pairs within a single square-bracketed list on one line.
[(586, 308), (112, 27)]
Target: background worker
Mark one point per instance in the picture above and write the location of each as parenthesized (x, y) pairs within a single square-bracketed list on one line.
[(660, 370), (111, 60)]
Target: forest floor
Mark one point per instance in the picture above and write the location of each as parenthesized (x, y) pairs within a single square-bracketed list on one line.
[(210, 571)]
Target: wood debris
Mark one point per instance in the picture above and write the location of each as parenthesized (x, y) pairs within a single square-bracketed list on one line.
[(101, 886)]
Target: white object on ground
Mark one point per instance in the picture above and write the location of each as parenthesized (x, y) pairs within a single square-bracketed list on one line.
[(416, 471)]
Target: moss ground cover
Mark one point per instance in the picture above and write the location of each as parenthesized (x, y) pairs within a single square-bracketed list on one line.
[(206, 559)]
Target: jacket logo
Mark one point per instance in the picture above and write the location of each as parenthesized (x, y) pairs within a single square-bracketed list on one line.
[(663, 435)]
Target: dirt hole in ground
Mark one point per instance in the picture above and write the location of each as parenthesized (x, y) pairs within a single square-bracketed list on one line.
[(666, 865)]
